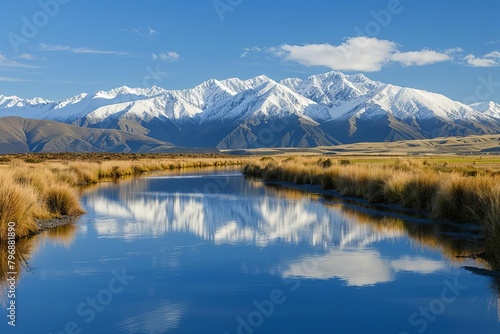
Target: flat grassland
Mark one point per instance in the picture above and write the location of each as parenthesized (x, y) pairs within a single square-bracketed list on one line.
[(476, 145)]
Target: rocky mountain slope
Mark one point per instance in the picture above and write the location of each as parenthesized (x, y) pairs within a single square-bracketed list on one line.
[(324, 109)]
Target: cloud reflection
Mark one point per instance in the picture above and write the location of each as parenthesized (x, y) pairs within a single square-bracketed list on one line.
[(246, 216), (358, 267)]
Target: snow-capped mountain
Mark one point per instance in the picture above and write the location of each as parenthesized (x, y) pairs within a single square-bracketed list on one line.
[(322, 109), (487, 108), (333, 88)]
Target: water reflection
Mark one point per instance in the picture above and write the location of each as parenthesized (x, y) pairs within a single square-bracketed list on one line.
[(27, 247), (220, 234), (242, 212), (253, 217), (359, 267), (158, 320)]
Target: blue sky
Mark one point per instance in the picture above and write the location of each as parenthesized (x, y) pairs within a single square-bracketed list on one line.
[(59, 48)]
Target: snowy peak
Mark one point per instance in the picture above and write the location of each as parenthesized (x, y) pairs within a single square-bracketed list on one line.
[(238, 85), (420, 104), (206, 93), (406, 104), (126, 91), (267, 101), (14, 101), (323, 109), (487, 108), (332, 88)]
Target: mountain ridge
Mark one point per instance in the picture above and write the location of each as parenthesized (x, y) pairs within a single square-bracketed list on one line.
[(324, 109)]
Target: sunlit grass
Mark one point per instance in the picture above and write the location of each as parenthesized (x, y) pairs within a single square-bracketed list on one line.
[(461, 193), (43, 187)]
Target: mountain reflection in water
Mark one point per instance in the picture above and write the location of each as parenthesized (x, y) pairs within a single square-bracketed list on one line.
[(336, 240)]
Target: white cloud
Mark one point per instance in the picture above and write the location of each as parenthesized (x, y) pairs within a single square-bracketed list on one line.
[(26, 56), (453, 51), (488, 60), (417, 265), (166, 56), (420, 58), (356, 268), (355, 54), (247, 51), (6, 79), (146, 33), (6, 62), (493, 54), (78, 50)]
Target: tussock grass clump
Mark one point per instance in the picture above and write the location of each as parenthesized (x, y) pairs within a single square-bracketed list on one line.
[(62, 200), (37, 178), (18, 204), (85, 172), (395, 186), (419, 191), (459, 198), (328, 178)]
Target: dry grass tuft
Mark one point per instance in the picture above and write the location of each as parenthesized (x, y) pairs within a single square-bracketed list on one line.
[(18, 204), (62, 200)]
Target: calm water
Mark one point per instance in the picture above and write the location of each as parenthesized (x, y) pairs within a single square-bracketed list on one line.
[(216, 253)]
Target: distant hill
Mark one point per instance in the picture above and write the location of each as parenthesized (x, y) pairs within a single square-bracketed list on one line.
[(19, 135), (470, 145)]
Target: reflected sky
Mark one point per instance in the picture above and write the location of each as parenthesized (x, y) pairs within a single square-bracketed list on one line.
[(249, 216), (160, 319), (359, 267), (252, 216), (204, 249)]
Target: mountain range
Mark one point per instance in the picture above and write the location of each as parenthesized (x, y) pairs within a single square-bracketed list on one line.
[(326, 109)]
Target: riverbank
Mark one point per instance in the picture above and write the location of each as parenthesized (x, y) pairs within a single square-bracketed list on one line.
[(461, 190), (38, 192)]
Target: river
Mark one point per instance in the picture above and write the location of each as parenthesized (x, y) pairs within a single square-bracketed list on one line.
[(214, 252)]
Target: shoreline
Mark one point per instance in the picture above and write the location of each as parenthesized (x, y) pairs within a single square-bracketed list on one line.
[(362, 205), (49, 224), (42, 195), (464, 194), (355, 203)]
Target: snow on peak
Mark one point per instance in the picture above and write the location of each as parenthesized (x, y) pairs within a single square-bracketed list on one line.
[(407, 104), (332, 88), (489, 108), (267, 101), (321, 97)]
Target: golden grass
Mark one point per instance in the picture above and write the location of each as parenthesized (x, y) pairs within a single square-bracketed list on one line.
[(444, 192), (62, 200), (491, 226), (18, 203), (46, 187)]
